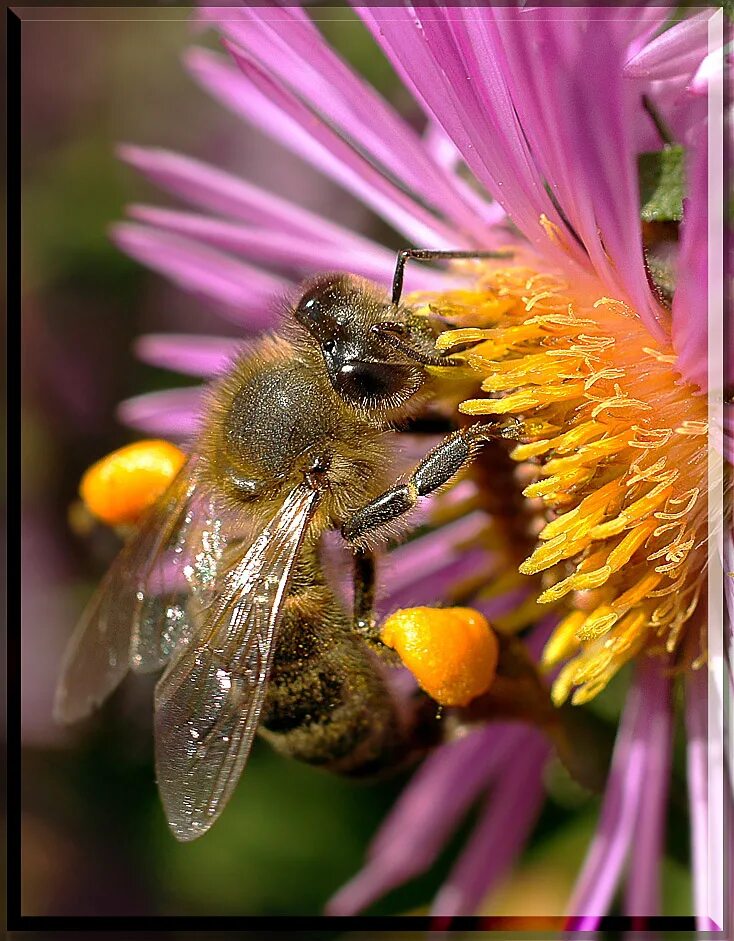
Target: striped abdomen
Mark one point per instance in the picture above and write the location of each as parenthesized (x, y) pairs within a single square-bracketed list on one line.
[(327, 703)]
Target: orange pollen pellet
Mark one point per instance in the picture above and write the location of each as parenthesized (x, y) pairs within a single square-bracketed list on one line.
[(452, 652), (121, 486)]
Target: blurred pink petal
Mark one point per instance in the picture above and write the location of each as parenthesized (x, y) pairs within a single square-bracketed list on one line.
[(296, 253), (503, 604), (216, 191), (191, 354), (498, 838), (173, 413), (431, 551), (710, 70), (432, 587), (427, 811), (247, 294)]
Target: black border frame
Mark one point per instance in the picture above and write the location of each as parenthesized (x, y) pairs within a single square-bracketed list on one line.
[(360, 928)]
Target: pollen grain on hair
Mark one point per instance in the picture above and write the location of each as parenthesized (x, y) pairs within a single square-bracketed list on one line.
[(618, 445)]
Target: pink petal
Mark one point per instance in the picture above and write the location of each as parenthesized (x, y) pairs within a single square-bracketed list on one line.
[(434, 549), (252, 93), (463, 86), (427, 588), (440, 146), (173, 413), (248, 296), (709, 71), (426, 813), (689, 326), (510, 813), (677, 51), (643, 877), (425, 570), (602, 868), (644, 23), (191, 354), (705, 882), (502, 605), (287, 46), (220, 192), (296, 253), (578, 121)]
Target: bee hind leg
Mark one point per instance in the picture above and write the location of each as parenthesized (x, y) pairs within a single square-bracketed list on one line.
[(364, 620), (364, 594)]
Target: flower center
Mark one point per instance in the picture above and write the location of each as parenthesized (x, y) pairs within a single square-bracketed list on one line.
[(617, 443)]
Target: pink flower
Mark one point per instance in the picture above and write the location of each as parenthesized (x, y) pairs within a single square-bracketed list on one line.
[(535, 120)]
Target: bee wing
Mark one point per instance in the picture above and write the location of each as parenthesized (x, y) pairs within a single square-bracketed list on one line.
[(136, 616), (208, 701), (183, 573)]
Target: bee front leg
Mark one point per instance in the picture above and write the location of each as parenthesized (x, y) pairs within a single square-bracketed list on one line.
[(437, 468)]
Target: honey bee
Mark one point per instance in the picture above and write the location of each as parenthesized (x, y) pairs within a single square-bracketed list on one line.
[(222, 583)]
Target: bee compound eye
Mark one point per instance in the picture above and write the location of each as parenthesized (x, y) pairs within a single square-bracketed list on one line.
[(316, 312), (320, 296), (375, 382)]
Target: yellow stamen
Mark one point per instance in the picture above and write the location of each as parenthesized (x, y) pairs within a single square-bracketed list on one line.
[(618, 441)]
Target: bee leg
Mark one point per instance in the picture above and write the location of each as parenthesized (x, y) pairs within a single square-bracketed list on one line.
[(436, 469), (365, 623), (364, 594)]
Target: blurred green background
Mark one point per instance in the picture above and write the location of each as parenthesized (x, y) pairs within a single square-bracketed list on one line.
[(94, 836)]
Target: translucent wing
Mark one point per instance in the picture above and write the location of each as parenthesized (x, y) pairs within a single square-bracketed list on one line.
[(208, 701), (186, 569), (137, 615)]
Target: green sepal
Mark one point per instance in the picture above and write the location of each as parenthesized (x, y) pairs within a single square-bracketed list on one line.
[(662, 184)]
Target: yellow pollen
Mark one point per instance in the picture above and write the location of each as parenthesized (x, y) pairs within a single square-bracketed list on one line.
[(452, 652), (618, 443), (122, 485)]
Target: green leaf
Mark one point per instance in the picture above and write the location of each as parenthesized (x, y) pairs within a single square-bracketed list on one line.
[(662, 184)]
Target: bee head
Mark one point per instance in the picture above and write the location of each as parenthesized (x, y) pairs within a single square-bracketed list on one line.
[(356, 329)]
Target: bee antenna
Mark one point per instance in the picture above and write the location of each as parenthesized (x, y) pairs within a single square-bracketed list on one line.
[(429, 254)]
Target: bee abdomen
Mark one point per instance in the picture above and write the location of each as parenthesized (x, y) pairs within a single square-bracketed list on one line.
[(295, 701), (331, 719), (327, 704)]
